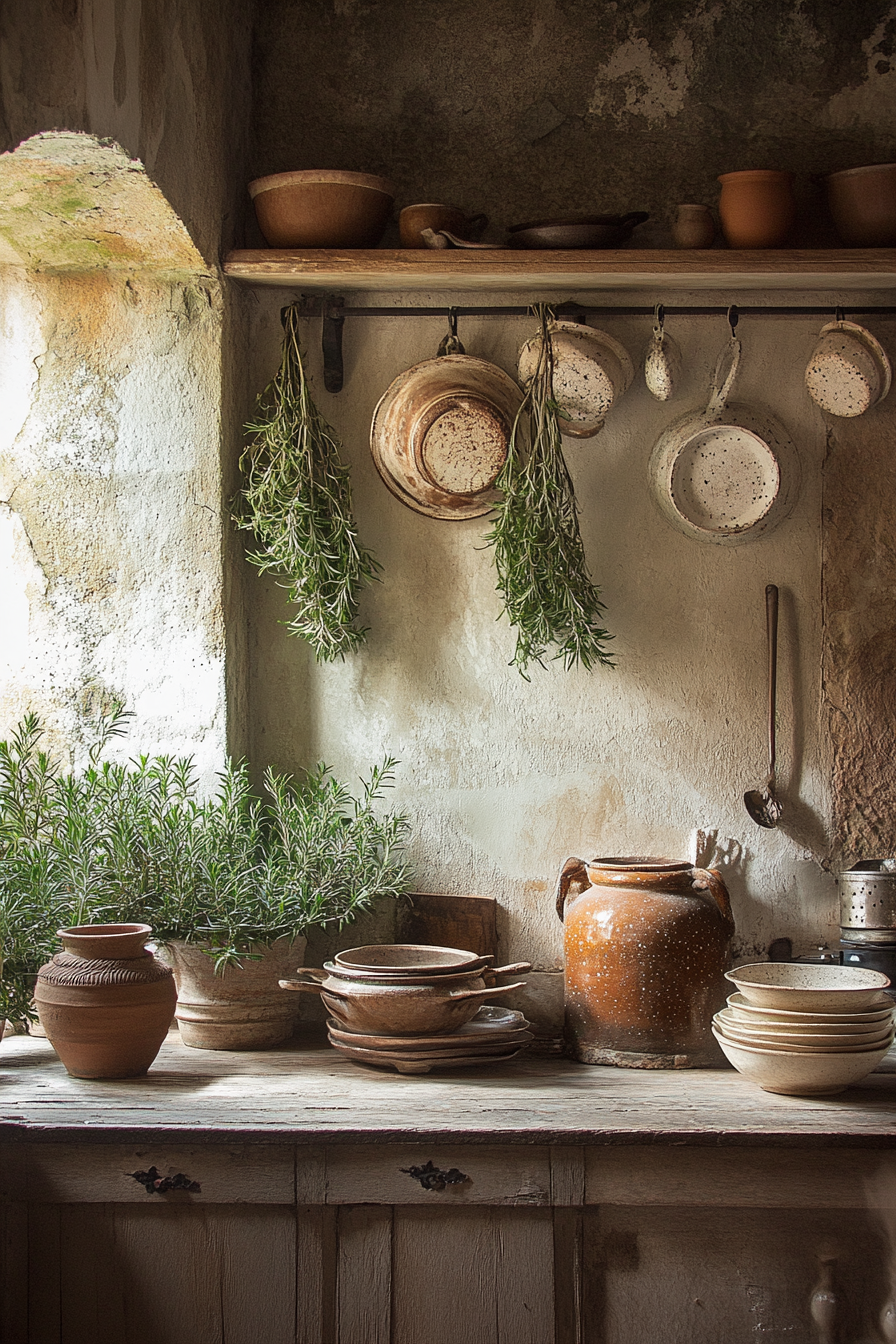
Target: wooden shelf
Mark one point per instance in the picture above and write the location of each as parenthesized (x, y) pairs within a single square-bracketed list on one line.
[(627, 269)]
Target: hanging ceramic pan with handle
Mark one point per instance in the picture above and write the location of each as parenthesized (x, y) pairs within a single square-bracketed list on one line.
[(729, 474)]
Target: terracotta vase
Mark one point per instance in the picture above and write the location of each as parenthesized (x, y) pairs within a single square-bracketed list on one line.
[(757, 208), (241, 1009), (105, 1002), (694, 226), (646, 948)]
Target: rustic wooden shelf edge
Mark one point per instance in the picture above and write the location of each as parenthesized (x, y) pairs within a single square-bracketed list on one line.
[(628, 269)]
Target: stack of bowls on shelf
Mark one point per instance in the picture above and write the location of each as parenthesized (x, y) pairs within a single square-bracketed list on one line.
[(415, 1008), (805, 1030)]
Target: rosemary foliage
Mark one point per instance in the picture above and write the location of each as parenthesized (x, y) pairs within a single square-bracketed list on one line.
[(297, 502), (539, 556), (136, 842)]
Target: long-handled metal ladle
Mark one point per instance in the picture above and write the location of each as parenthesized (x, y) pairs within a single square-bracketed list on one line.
[(762, 804)]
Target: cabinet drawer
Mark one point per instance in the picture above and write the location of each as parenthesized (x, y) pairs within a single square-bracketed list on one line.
[(74, 1173), (381, 1175)]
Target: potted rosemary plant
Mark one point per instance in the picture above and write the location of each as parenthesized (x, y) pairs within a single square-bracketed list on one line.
[(229, 884)]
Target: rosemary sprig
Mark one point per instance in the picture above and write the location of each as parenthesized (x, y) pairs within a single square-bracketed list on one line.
[(297, 502), (540, 559)]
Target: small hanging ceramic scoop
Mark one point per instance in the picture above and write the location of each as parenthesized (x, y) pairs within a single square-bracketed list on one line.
[(662, 361)]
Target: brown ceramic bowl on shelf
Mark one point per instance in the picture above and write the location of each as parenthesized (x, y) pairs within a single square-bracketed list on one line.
[(322, 208), (862, 202)]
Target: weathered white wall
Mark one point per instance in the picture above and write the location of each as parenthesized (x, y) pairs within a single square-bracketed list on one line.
[(506, 778), (121, 359), (110, 518)]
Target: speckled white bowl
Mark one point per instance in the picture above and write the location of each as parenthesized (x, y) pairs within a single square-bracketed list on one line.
[(881, 1012), (808, 989), (800, 1075), (801, 1042)]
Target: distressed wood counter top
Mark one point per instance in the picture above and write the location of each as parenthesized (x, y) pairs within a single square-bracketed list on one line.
[(309, 1094)]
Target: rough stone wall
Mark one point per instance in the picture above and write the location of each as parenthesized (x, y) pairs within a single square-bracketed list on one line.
[(534, 108)]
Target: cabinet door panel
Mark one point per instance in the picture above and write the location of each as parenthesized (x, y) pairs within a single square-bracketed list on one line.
[(702, 1275), (119, 1274), (472, 1276)]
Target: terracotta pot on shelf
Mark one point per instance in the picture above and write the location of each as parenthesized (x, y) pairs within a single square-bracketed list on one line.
[(646, 949), (105, 1002), (240, 1009), (757, 208)]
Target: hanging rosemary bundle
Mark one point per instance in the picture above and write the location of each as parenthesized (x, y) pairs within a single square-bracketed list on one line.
[(297, 502), (542, 572)]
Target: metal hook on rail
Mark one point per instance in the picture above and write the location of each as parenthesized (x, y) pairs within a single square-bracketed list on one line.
[(733, 317), (450, 345)]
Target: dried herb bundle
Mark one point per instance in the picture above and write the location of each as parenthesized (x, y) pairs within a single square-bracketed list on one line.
[(542, 572), (297, 502)]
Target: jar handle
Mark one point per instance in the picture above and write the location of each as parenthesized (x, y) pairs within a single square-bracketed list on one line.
[(710, 879), (573, 871)]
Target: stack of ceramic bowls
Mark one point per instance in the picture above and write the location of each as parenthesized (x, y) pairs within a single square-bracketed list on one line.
[(403, 1002), (805, 1030)]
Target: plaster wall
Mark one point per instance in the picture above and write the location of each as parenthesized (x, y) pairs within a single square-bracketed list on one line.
[(121, 359), (505, 778)]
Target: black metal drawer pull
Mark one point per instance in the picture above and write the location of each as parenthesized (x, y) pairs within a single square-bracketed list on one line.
[(154, 1183), (431, 1178)]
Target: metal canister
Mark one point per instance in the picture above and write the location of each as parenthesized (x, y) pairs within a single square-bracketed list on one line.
[(868, 903)]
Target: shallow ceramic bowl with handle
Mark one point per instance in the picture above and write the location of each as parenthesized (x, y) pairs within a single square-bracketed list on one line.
[(800, 1075), (592, 370), (729, 474), (794, 1040), (808, 989), (405, 1009), (409, 959), (881, 1010), (474, 978), (849, 370), (575, 231)]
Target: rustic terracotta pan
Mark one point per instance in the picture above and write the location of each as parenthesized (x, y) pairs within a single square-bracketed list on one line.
[(440, 433)]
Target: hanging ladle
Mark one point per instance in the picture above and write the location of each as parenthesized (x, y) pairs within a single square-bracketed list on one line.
[(762, 804)]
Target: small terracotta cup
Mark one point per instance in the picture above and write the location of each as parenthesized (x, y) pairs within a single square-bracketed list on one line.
[(757, 207), (694, 226), (415, 218)]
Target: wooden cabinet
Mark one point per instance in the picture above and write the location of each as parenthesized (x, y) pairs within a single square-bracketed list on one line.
[(351, 1233)]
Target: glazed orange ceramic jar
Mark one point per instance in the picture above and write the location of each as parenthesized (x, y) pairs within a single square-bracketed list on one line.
[(646, 949), (757, 207)]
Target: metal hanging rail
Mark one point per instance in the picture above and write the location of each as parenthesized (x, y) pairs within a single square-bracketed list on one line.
[(333, 310)]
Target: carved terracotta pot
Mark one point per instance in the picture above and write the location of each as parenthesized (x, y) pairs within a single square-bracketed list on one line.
[(241, 1009), (105, 1002), (646, 948)]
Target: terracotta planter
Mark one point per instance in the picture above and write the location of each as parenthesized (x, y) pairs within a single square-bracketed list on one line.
[(646, 947), (243, 1009), (105, 1002), (757, 208)]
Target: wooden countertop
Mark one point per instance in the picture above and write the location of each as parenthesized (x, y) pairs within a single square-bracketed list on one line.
[(307, 1093)]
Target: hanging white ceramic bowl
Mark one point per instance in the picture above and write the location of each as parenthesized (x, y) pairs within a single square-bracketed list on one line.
[(728, 475), (849, 371), (591, 372)]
